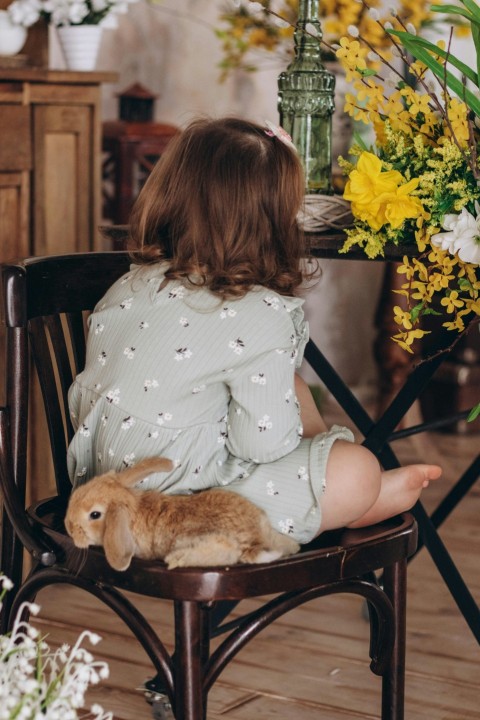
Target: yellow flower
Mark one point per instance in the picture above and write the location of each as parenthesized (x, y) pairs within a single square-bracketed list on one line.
[(421, 239), (381, 196), (473, 306), (351, 56), (423, 292), (369, 90), (420, 269), (406, 339), (366, 186), (440, 281), (259, 37), (402, 317), (457, 114), (400, 206), (417, 103), (452, 302), (406, 269), (456, 324)]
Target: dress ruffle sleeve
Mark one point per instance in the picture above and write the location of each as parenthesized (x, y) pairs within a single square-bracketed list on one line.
[(295, 309)]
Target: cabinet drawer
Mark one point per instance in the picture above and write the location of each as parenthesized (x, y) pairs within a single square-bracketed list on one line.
[(15, 134)]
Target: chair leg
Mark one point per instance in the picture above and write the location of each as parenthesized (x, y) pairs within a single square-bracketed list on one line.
[(191, 650), (393, 681)]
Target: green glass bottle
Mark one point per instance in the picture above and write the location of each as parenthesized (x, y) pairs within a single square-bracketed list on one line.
[(306, 102)]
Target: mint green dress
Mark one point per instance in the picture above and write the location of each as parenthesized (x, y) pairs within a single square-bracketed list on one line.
[(175, 371)]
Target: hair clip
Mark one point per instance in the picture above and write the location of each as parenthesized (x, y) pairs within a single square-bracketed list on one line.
[(278, 132)]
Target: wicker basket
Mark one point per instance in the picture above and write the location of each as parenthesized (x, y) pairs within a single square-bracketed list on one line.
[(325, 212)]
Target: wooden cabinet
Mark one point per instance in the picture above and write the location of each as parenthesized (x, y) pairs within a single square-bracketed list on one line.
[(50, 161), (50, 185)]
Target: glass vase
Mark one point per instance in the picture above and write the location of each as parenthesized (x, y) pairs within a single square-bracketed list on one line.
[(306, 101)]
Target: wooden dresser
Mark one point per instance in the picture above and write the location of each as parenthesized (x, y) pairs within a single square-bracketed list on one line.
[(50, 185), (50, 161)]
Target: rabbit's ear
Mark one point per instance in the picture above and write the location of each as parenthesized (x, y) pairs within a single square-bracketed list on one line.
[(143, 469), (118, 542)]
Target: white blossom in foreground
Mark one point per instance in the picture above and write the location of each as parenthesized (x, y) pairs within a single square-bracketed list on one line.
[(463, 236), (37, 683)]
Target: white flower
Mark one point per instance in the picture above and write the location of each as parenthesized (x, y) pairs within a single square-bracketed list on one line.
[(24, 12), (6, 583), (37, 683), (353, 31), (255, 7), (463, 236), (265, 423), (67, 12)]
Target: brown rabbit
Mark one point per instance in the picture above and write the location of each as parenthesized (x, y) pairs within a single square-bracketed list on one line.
[(212, 527)]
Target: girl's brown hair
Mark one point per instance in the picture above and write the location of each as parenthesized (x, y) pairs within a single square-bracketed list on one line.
[(221, 206)]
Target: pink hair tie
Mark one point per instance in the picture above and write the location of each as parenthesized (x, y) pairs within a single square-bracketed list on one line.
[(278, 132)]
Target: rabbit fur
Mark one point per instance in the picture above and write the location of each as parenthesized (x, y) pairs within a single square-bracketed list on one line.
[(212, 527)]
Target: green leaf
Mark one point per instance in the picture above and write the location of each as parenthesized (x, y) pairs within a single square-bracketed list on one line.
[(473, 8), (416, 312), (464, 284), (431, 311), (358, 140), (409, 42), (472, 13), (474, 413), (452, 10), (365, 72), (476, 42), (421, 42)]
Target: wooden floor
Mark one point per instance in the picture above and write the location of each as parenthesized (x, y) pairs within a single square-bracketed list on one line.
[(313, 664)]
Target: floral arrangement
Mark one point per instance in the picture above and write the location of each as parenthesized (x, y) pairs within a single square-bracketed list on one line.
[(37, 683), (420, 184), (67, 12), (269, 25)]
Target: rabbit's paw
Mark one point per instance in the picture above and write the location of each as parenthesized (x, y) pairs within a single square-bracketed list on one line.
[(178, 558)]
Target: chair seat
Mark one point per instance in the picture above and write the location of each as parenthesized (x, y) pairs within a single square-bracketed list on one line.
[(332, 557)]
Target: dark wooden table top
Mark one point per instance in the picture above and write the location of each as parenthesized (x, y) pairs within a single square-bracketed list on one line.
[(322, 244)]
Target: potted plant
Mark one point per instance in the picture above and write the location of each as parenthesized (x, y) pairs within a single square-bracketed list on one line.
[(79, 24)]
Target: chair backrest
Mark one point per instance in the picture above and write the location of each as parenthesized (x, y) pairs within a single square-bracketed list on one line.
[(45, 304)]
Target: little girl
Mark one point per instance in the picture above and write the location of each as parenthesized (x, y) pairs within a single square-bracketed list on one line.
[(192, 354)]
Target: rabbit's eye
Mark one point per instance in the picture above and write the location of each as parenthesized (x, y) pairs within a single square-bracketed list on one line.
[(95, 515)]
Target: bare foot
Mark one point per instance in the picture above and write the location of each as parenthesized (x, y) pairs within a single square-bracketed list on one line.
[(400, 490)]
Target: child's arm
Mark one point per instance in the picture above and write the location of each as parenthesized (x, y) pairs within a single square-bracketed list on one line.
[(312, 421)]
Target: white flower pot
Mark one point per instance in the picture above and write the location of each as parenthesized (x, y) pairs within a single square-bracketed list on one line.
[(12, 37), (80, 45)]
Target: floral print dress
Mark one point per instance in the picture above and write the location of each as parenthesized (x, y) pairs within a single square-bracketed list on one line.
[(175, 371)]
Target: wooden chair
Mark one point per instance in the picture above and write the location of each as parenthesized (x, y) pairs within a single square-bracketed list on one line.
[(44, 303)]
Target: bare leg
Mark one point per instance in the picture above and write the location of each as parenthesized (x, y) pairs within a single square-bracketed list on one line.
[(358, 493), (400, 490)]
